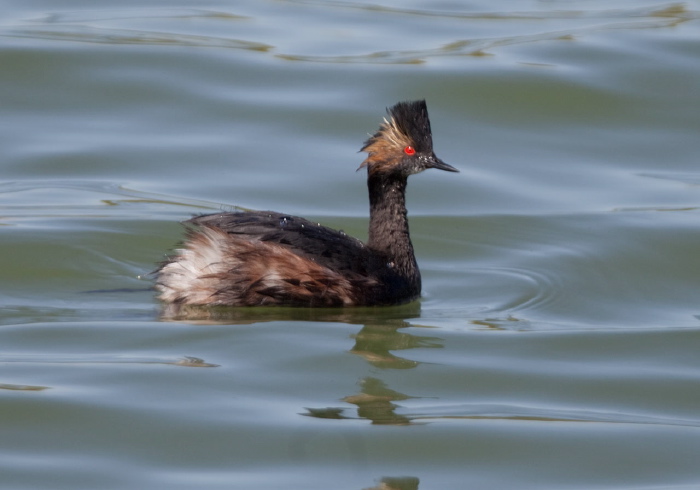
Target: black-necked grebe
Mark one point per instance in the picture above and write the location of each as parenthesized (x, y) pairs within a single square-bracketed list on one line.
[(266, 258)]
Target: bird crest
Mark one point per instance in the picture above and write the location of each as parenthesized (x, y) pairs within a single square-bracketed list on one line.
[(405, 132)]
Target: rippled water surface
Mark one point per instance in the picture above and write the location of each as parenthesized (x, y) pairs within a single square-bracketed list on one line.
[(556, 343)]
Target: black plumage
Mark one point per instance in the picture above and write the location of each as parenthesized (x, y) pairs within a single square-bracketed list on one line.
[(268, 258), (325, 246)]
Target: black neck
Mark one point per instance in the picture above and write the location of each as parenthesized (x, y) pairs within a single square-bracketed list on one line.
[(388, 223)]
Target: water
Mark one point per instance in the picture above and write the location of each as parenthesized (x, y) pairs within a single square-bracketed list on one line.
[(556, 342)]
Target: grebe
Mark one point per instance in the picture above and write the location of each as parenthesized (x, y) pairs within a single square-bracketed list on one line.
[(265, 258)]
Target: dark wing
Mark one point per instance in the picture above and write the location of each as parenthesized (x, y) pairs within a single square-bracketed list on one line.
[(325, 246)]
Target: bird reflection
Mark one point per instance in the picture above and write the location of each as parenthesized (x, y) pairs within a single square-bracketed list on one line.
[(376, 343), (222, 315), (375, 403)]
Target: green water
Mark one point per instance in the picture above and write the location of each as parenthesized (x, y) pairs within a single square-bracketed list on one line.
[(556, 342)]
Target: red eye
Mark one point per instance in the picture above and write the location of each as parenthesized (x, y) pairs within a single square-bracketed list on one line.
[(409, 150)]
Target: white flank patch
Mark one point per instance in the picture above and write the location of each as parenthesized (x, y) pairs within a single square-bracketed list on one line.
[(184, 279)]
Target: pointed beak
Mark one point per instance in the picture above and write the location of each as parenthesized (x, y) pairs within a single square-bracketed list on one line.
[(435, 162)]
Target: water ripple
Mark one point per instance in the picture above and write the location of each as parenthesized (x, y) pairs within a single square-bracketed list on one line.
[(476, 47), (524, 413), (668, 10), (25, 207), (14, 387), (102, 35), (137, 14), (187, 361), (94, 27), (507, 290)]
